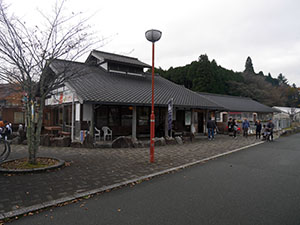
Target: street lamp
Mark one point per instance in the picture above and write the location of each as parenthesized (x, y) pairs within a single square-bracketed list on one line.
[(152, 36)]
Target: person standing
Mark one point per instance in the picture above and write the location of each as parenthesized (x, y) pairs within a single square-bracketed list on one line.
[(230, 126), (234, 128), (245, 127), (270, 127), (258, 129), (211, 126)]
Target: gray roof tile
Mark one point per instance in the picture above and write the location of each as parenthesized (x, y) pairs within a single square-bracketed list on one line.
[(94, 84), (236, 103), (118, 58)]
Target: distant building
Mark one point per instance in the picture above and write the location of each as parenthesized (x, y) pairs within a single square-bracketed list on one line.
[(285, 116), (11, 105), (238, 108)]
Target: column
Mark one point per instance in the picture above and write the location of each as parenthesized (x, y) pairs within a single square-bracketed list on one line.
[(205, 122), (166, 123), (133, 133), (193, 127)]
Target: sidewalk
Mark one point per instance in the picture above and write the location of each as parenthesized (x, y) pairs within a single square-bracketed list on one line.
[(90, 169)]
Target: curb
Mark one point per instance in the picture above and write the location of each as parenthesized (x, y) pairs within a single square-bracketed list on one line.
[(113, 186), (34, 170)]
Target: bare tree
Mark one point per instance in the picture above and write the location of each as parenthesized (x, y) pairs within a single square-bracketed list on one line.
[(26, 54)]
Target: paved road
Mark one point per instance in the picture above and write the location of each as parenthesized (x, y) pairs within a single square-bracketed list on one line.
[(91, 169), (260, 185)]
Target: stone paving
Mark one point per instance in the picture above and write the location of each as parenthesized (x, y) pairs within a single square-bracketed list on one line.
[(94, 168)]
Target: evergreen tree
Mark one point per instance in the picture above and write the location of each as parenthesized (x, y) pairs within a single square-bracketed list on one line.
[(249, 66), (272, 80), (282, 80)]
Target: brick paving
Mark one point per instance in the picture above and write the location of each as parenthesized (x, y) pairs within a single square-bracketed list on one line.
[(94, 168)]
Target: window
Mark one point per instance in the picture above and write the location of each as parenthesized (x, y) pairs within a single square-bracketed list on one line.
[(126, 116), (101, 116), (143, 116), (114, 116), (18, 117), (68, 115)]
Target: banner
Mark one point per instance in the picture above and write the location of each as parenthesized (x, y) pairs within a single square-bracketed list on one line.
[(170, 114)]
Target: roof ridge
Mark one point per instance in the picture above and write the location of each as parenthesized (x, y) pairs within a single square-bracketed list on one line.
[(69, 61), (231, 96), (109, 53)]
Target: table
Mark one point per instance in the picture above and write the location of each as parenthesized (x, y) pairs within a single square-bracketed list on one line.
[(53, 129)]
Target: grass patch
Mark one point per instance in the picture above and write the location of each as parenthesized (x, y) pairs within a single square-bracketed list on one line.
[(24, 164)]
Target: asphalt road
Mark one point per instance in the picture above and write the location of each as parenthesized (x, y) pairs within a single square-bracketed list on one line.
[(260, 185)]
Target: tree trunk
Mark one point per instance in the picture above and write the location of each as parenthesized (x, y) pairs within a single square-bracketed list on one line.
[(37, 134), (30, 132)]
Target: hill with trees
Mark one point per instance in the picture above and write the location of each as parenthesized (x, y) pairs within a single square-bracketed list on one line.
[(204, 75)]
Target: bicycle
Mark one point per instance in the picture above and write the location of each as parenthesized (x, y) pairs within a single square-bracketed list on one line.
[(4, 149)]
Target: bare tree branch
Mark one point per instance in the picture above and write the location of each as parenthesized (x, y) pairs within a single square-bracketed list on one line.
[(26, 54)]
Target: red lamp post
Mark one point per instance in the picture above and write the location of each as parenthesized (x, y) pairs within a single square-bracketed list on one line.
[(152, 36)]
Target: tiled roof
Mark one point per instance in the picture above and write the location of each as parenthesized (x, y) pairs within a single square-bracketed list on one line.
[(237, 104), (94, 84), (118, 58)]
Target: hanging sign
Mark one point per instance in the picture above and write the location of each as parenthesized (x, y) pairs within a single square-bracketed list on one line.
[(170, 114)]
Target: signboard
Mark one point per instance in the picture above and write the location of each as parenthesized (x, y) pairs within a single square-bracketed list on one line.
[(65, 96), (170, 114)]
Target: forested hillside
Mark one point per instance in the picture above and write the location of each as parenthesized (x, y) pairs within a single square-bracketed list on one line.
[(207, 76)]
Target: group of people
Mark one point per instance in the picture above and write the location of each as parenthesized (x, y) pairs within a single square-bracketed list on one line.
[(5, 129), (265, 130)]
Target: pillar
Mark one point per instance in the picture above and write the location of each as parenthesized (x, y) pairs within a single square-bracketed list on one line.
[(167, 123), (193, 121), (205, 122), (133, 133), (77, 120)]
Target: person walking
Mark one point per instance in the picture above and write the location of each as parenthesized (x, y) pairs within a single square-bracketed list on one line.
[(270, 127), (245, 127), (211, 126), (234, 128), (258, 129), (230, 127)]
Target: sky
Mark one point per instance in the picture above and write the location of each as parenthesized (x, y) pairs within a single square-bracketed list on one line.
[(226, 30)]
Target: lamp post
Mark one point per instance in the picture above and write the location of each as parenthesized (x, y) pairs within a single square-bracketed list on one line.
[(152, 36)]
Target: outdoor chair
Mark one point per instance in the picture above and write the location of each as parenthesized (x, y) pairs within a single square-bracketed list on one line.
[(97, 134), (107, 133)]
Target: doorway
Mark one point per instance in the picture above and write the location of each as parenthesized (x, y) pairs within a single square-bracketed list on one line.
[(200, 122)]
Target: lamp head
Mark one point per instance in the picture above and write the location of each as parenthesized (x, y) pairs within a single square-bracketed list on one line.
[(153, 35)]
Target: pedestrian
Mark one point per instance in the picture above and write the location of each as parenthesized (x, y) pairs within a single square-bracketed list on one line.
[(234, 127), (258, 129), (211, 126), (270, 127), (7, 130), (230, 127), (265, 132), (245, 127)]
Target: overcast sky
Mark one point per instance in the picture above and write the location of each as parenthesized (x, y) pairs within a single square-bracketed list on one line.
[(226, 30)]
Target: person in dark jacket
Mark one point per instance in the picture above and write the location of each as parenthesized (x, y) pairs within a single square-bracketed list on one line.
[(211, 126), (258, 129), (270, 127)]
